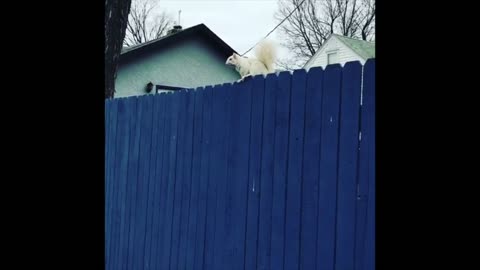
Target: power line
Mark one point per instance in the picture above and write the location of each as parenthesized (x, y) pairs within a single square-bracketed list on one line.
[(274, 27)]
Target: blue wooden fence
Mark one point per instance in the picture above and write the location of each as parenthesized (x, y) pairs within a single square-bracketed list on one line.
[(275, 173)]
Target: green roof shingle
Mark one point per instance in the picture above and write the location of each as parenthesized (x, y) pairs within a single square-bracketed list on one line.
[(363, 48)]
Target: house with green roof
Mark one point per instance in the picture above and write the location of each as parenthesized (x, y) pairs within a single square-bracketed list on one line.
[(184, 58), (339, 49)]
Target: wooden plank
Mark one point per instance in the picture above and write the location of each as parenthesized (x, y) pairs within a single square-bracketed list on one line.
[(207, 190), (142, 183), (105, 183), (159, 187), (119, 171), (237, 177), (164, 179), (124, 131), (328, 168), (280, 169), (222, 105), (294, 177), (174, 101), (347, 165), (132, 176), (367, 154), (109, 181), (114, 193), (152, 181), (256, 123), (195, 176), (370, 105), (107, 110), (311, 161), (179, 179), (266, 183), (187, 180)]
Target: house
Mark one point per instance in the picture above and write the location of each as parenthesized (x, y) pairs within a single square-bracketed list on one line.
[(186, 58), (340, 49)]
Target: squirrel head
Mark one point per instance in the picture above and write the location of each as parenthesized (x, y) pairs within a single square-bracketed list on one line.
[(232, 60)]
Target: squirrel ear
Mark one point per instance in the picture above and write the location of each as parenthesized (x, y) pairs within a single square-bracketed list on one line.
[(235, 55)]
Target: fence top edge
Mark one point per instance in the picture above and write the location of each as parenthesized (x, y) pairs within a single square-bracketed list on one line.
[(269, 76)]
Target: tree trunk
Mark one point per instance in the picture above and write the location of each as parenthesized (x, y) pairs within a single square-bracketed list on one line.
[(116, 18)]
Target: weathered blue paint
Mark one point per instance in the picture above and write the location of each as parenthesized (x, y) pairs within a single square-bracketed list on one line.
[(265, 174)]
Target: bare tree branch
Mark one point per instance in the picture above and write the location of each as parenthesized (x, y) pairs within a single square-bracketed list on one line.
[(144, 25), (368, 23), (311, 24)]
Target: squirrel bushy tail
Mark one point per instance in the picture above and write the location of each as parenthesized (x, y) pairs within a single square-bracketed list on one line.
[(265, 52)]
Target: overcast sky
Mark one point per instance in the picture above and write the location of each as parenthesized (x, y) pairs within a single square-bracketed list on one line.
[(240, 23)]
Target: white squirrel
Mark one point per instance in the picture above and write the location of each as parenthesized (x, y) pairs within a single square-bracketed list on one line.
[(263, 64)]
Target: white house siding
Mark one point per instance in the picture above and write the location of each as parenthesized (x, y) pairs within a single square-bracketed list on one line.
[(344, 54)]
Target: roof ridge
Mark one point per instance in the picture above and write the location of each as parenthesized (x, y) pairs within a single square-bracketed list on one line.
[(356, 39), (196, 29), (127, 49)]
